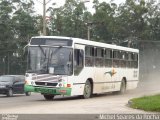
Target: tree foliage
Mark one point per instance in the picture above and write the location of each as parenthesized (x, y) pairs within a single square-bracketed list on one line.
[(17, 25), (70, 19), (134, 20)]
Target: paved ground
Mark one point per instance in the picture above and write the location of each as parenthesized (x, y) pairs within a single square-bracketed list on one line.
[(99, 104)]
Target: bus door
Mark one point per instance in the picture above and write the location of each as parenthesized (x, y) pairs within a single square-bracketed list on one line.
[(78, 60)]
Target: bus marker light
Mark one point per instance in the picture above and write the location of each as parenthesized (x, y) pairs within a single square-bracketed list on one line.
[(60, 85), (68, 85), (26, 82)]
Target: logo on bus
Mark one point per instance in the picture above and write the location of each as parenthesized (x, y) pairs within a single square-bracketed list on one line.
[(112, 72)]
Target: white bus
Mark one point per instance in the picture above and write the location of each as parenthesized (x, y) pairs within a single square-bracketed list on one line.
[(72, 66)]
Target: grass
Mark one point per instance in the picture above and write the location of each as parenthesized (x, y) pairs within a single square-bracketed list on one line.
[(146, 103)]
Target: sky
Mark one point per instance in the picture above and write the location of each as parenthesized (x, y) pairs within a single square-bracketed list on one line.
[(39, 5)]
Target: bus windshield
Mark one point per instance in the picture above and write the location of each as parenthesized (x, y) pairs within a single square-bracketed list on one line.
[(42, 58)]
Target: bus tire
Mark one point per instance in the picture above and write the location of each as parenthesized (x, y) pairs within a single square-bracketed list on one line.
[(27, 93), (48, 97), (87, 93), (122, 87)]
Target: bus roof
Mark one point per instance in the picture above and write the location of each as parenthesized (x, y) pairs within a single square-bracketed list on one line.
[(100, 44), (91, 43)]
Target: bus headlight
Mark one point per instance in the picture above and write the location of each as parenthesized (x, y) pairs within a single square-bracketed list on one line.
[(32, 83), (27, 75), (60, 84)]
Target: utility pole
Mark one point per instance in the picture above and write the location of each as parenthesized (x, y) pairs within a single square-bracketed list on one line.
[(89, 25), (44, 17), (8, 64), (88, 32)]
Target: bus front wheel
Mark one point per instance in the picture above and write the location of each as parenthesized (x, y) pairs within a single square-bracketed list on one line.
[(27, 93), (48, 97), (87, 90)]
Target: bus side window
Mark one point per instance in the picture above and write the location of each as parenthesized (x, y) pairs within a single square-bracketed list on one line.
[(136, 60), (89, 56), (115, 58), (123, 61), (108, 58), (99, 57), (78, 61)]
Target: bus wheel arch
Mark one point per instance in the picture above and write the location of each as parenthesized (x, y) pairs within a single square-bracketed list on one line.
[(91, 81), (88, 89)]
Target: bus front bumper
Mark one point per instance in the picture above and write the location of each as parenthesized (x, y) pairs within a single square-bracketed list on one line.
[(45, 90)]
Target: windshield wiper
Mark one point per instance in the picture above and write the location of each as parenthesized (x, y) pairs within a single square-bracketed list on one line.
[(45, 66), (55, 51), (42, 50), (41, 71)]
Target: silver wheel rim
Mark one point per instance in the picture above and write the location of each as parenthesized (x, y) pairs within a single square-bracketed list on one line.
[(87, 91)]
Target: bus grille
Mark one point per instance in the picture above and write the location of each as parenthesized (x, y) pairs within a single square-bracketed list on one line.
[(46, 84)]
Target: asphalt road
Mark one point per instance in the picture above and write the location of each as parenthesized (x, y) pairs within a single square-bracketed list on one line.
[(100, 104)]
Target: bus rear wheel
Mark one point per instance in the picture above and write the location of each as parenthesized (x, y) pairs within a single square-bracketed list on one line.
[(48, 97), (122, 87), (87, 90)]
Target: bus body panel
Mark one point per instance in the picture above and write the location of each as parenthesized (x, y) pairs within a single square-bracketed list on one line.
[(104, 78)]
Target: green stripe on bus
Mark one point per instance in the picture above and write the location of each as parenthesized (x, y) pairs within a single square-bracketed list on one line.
[(44, 90)]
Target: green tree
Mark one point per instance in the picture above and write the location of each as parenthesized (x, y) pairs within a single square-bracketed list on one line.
[(6, 34), (152, 32), (70, 19), (104, 21), (131, 20), (17, 25), (25, 23)]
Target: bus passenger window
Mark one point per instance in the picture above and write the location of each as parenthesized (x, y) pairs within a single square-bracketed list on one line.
[(78, 61), (99, 57), (89, 56), (108, 57)]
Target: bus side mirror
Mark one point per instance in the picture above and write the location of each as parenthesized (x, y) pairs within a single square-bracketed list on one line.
[(25, 50)]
